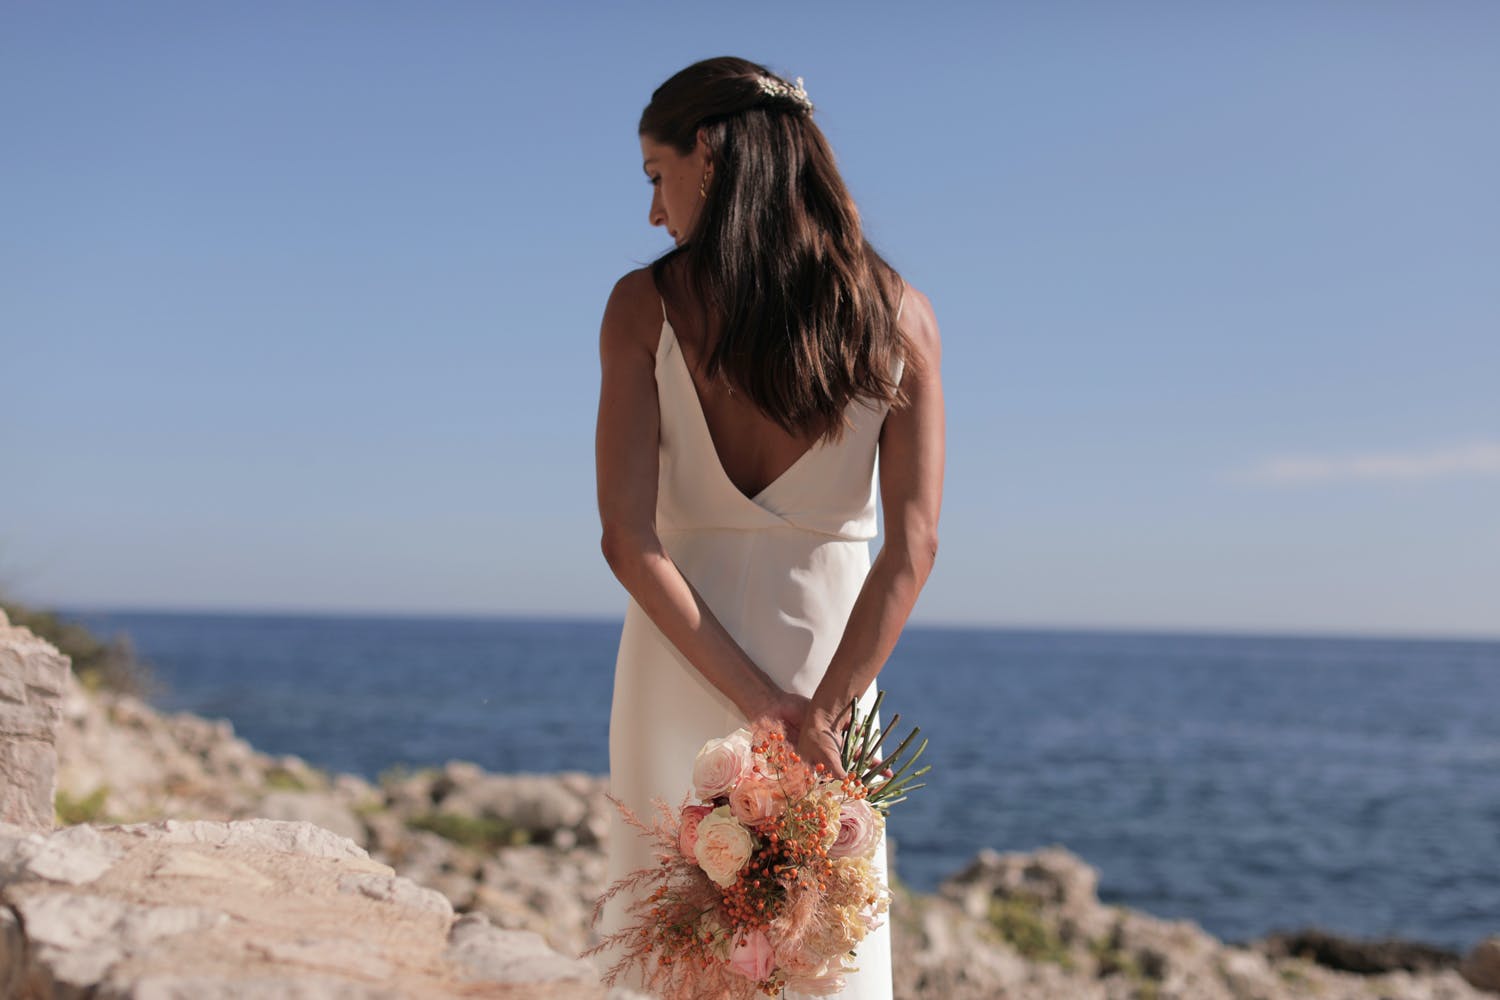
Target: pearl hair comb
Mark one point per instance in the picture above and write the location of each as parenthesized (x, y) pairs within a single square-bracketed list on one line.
[(772, 87)]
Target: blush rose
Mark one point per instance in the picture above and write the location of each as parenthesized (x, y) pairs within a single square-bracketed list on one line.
[(721, 763), (860, 827), (723, 846)]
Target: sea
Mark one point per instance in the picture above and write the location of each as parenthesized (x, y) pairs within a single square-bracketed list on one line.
[(1248, 783)]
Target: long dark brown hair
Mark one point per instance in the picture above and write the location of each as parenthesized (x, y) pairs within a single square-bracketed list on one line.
[(777, 260)]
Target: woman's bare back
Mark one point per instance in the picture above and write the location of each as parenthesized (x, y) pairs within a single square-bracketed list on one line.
[(754, 451)]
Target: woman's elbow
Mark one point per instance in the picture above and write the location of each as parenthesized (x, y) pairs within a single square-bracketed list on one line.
[(917, 552), (625, 548), (925, 548)]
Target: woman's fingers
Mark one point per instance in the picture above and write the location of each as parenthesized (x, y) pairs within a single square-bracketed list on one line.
[(821, 746)]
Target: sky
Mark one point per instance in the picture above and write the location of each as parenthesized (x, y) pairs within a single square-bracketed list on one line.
[(300, 302)]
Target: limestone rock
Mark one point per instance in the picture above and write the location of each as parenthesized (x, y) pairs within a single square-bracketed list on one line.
[(265, 834), (317, 808), (188, 863), (1053, 878), (485, 952), (534, 804), (397, 890), (12, 952), (77, 938), (34, 677), (248, 909), (290, 985), (75, 855)]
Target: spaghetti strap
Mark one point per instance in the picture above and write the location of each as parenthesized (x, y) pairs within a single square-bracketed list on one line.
[(899, 304)]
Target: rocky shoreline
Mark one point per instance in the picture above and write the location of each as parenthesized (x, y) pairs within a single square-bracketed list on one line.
[(451, 879)]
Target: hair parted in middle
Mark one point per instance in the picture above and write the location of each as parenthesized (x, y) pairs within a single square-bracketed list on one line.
[(777, 261)]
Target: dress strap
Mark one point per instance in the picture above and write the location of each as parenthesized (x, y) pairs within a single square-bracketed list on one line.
[(900, 366)]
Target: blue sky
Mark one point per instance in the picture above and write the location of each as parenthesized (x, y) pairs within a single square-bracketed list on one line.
[(299, 303)]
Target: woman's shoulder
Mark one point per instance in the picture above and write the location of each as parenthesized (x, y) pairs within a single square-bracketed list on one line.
[(633, 314), (918, 324)]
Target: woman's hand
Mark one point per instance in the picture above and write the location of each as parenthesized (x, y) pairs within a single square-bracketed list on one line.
[(822, 742), (787, 708)]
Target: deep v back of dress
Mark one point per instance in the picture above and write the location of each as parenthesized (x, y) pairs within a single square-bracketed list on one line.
[(780, 570)]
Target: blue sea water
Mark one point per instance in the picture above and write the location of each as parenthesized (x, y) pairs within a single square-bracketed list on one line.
[(1246, 783)]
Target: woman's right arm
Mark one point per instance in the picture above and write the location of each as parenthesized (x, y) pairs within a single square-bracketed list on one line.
[(625, 458)]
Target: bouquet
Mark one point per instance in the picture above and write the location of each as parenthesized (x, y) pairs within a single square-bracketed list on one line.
[(768, 879)]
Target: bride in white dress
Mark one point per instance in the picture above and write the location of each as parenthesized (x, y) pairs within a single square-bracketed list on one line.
[(750, 378)]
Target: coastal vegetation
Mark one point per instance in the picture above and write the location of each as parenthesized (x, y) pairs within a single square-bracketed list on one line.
[(100, 664)]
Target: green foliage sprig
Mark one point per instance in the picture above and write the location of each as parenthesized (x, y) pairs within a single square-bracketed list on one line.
[(861, 741)]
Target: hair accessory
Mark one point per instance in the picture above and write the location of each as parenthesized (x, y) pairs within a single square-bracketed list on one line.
[(772, 87)]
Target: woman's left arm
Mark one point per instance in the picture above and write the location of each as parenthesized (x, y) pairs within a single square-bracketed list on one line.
[(911, 493)]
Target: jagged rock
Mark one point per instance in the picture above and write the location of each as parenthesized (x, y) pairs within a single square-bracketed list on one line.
[(264, 834), (534, 804), (294, 984), (12, 952), (1248, 975), (256, 908), (1364, 957), (74, 939), (1053, 878), (33, 680), (74, 855), (1481, 967), (487, 953), (317, 808), (394, 889)]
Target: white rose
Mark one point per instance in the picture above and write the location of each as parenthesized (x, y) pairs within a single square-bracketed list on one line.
[(721, 763), (723, 846)]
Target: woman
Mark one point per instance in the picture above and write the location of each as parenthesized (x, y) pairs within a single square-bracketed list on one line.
[(749, 377)]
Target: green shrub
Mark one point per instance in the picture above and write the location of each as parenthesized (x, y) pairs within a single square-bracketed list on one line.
[(1114, 959), (483, 834), (89, 809), (1018, 921), (284, 780)]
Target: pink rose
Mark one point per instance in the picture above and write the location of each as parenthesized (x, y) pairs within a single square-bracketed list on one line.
[(753, 957), (756, 800), (721, 763), (860, 827), (687, 838)]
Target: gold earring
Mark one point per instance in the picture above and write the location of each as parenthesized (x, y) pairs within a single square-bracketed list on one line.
[(703, 185)]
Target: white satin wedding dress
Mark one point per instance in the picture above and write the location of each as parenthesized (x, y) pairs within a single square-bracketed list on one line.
[(781, 571)]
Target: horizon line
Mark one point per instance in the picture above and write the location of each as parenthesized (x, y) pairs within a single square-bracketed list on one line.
[(597, 618)]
